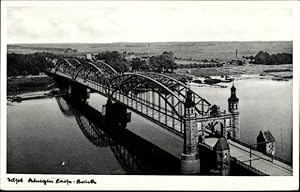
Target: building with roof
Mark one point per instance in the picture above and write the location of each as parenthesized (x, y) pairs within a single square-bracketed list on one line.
[(217, 156), (222, 156), (266, 142)]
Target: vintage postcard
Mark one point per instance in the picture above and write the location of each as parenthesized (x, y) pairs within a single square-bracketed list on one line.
[(150, 95)]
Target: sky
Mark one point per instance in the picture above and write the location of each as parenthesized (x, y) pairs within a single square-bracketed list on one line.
[(142, 22)]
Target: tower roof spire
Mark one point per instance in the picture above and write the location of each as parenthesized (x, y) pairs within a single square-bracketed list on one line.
[(233, 87), (233, 97)]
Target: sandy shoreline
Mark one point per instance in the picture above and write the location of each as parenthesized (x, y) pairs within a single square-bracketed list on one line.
[(278, 72)]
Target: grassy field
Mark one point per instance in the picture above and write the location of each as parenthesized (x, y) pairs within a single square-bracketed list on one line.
[(184, 50)]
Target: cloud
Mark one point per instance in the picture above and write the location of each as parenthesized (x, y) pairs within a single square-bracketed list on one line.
[(154, 23)]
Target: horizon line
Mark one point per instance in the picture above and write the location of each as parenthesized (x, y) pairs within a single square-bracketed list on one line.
[(119, 42)]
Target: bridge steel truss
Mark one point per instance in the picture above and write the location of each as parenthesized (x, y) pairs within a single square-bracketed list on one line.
[(155, 96)]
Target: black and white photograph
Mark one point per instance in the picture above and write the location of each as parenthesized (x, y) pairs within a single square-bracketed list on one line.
[(150, 95)]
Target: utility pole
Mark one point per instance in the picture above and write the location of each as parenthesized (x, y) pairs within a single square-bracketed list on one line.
[(281, 141)]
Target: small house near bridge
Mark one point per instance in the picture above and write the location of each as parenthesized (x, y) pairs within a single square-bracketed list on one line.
[(266, 142)]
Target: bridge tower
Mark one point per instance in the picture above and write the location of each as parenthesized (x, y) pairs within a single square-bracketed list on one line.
[(190, 161), (233, 102)]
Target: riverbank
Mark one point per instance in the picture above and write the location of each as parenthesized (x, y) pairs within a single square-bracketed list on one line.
[(35, 95), (26, 84), (268, 71)]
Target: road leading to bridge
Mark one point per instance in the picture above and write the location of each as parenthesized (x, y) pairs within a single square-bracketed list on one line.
[(259, 161)]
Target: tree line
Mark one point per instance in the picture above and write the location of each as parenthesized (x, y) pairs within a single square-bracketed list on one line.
[(26, 64), (115, 60), (33, 64), (159, 63), (273, 59)]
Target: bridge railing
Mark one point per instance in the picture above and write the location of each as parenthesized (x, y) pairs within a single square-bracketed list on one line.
[(280, 159), (269, 155), (248, 167)]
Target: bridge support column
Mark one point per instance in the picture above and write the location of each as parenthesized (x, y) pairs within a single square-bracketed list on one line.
[(190, 164), (190, 160), (78, 92), (116, 114)]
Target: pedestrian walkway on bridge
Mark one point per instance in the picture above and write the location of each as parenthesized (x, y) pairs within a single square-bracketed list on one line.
[(259, 161)]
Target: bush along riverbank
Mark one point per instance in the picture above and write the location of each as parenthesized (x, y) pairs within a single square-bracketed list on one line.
[(26, 84)]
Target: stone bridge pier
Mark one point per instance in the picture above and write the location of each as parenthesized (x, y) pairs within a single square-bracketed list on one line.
[(116, 114), (78, 92), (74, 90), (190, 160)]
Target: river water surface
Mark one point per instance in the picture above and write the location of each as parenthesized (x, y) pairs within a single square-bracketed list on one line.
[(50, 136)]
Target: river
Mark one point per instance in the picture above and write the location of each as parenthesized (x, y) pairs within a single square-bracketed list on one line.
[(51, 136)]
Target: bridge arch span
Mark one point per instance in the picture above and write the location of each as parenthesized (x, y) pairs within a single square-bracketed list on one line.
[(202, 105), (67, 65), (133, 81), (164, 96), (64, 66), (145, 94), (106, 68), (98, 72)]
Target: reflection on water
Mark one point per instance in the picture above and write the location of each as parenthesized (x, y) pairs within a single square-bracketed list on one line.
[(80, 142), (94, 134), (136, 155)]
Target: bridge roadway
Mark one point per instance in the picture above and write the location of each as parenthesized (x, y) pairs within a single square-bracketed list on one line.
[(259, 161), (173, 144)]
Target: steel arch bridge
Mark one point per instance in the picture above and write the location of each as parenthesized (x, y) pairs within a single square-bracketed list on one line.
[(153, 95)]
